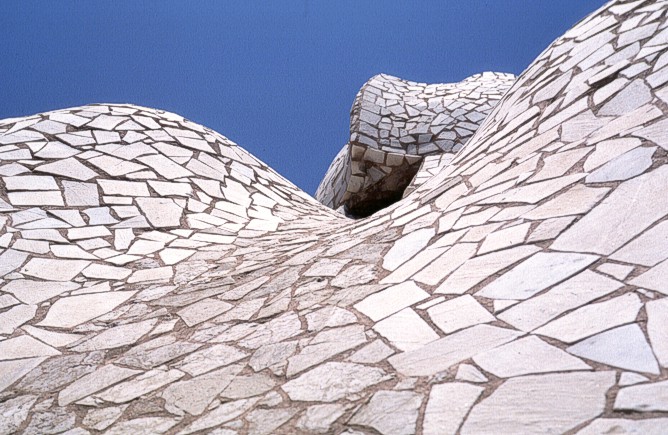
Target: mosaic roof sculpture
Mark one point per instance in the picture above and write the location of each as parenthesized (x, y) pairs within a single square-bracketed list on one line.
[(511, 276)]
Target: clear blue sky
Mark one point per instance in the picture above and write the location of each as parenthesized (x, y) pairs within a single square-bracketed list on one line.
[(277, 77)]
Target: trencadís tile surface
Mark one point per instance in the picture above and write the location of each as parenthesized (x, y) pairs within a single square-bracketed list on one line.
[(497, 263)]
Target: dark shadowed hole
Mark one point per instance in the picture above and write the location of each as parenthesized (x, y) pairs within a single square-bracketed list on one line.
[(384, 193)]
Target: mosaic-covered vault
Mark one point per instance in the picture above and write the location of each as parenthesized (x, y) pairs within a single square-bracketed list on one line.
[(157, 278), (398, 127)]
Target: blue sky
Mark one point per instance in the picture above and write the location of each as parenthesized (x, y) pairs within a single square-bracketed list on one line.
[(276, 77)]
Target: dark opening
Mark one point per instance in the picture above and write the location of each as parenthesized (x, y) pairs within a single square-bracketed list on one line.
[(384, 193)]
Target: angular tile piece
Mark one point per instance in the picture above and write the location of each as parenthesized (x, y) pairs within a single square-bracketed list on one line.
[(634, 95), (576, 291), (114, 166), (535, 192), (326, 267), (558, 164), (171, 256), (24, 346), (70, 168), (443, 353), (73, 310), (20, 136), (106, 122), (273, 356), (654, 278), (55, 421), (223, 413), (657, 328), (80, 194), (550, 228), (630, 378), (117, 336), (390, 412), (13, 370), (648, 249), (527, 404), (14, 412), (40, 198), (101, 378), (655, 132), (626, 166), (459, 313), (11, 259), (330, 316), (123, 188), (447, 406), (412, 266), (203, 310), (380, 305), (165, 167), (145, 247), (103, 271), (55, 339), (87, 232), (157, 425), (325, 345), (374, 352), (333, 381), (280, 328), (623, 347), (160, 212), (608, 150), (33, 292), (450, 260), (194, 395), (55, 270), (71, 251), (30, 182), (59, 371), (101, 419), (210, 358), (406, 330), (529, 355), (618, 214), (481, 267), (643, 398), (267, 421), (504, 238), (242, 387), (406, 247), (142, 384), (156, 352), (593, 318), (652, 426), (15, 317), (164, 273), (469, 373), (578, 199), (319, 418), (618, 271), (540, 271)]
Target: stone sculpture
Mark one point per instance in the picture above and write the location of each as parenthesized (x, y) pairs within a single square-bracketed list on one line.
[(397, 125), (157, 278)]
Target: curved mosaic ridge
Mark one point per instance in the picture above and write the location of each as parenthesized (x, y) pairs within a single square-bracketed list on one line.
[(394, 124), (158, 279)]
